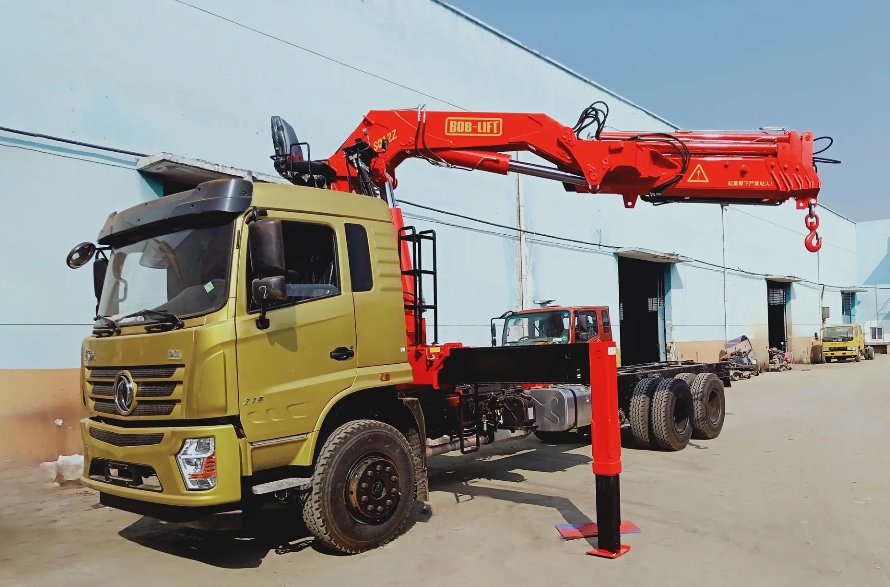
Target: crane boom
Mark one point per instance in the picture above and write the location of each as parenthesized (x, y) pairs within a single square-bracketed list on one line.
[(759, 168)]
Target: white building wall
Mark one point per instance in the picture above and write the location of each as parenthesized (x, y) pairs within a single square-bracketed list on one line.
[(873, 256), (202, 81)]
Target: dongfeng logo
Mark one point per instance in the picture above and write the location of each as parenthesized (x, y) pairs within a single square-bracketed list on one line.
[(124, 393)]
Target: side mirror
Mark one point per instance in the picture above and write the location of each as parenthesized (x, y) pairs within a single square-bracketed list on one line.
[(80, 255), (494, 335), (265, 291), (266, 247)]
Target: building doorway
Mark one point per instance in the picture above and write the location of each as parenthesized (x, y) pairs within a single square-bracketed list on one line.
[(848, 302), (776, 303), (641, 311)]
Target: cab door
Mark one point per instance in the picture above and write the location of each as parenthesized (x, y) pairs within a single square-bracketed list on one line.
[(288, 372)]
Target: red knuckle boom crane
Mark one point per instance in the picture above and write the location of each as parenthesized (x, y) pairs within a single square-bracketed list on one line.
[(759, 168), (725, 167)]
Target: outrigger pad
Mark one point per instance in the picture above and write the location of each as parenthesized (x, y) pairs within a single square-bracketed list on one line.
[(589, 530), (608, 553)]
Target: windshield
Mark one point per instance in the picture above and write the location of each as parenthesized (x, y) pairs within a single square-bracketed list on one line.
[(837, 334), (537, 328), (184, 273)]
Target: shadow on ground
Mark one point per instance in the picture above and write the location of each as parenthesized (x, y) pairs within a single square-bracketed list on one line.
[(505, 463), (222, 542), (279, 529)]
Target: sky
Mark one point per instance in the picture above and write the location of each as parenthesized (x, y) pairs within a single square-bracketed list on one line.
[(804, 65)]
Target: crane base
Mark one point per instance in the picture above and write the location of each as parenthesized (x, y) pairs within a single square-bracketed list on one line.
[(607, 553)]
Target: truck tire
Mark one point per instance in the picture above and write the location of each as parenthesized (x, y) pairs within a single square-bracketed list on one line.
[(687, 377), (871, 353), (858, 357), (672, 414), (347, 514), (709, 402), (640, 407), (827, 359)]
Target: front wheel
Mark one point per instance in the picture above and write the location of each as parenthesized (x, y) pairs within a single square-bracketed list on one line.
[(362, 488)]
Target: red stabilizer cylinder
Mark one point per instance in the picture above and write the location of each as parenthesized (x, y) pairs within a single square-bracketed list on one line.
[(605, 429), (605, 434)]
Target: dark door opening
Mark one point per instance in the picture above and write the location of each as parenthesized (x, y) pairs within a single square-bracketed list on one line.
[(641, 310), (848, 302), (776, 300)]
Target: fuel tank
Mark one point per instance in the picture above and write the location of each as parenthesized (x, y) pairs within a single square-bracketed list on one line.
[(561, 407)]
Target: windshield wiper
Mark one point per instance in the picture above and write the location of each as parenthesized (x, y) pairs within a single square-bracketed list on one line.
[(111, 326), (169, 321)]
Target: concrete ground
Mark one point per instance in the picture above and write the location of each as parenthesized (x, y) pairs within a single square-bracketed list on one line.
[(796, 491)]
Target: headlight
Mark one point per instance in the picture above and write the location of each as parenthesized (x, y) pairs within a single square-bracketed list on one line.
[(851, 348), (197, 463)]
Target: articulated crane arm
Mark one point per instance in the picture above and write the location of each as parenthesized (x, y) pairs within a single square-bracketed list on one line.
[(724, 167), (760, 168)]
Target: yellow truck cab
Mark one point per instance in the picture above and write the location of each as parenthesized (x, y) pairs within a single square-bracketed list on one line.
[(200, 375), (843, 341)]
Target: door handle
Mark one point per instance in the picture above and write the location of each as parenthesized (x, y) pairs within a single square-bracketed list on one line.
[(342, 353)]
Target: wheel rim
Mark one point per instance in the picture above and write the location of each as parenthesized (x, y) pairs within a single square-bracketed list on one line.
[(713, 407), (681, 416), (372, 490)]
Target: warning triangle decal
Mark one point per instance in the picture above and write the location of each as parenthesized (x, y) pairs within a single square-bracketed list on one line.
[(698, 175)]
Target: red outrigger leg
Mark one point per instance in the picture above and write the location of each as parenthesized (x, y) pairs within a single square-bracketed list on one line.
[(605, 436)]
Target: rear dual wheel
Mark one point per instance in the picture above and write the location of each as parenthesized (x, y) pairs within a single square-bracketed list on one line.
[(666, 413), (661, 413), (709, 403), (672, 414)]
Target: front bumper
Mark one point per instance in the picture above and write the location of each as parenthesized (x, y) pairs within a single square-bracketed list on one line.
[(830, 352), (160, 456)]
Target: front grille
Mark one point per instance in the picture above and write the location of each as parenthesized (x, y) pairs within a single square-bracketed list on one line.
[(149, 371), (103, 389), (104, 407), (154, 389), (115, 439), (142, 389), (144, 409)]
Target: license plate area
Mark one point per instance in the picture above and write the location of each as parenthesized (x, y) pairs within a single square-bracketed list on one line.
[(125, 474), (119, 473)]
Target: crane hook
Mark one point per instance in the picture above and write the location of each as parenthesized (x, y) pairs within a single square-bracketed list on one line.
[(812, 241)]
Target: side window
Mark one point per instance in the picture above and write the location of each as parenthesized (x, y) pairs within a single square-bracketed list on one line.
[(359, 258), (587, 326), (607, 326), (310, 259)]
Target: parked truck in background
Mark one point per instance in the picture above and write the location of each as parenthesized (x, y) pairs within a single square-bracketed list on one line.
[(253, 339), (845, 341)]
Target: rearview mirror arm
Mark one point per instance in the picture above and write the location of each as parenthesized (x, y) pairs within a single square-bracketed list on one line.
[(262, 322)]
